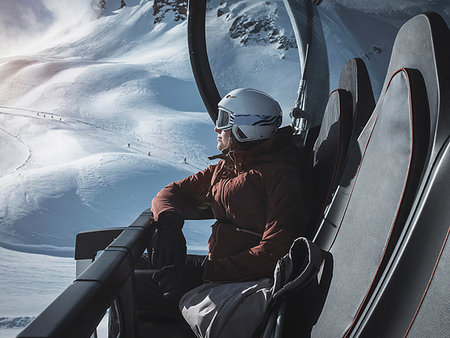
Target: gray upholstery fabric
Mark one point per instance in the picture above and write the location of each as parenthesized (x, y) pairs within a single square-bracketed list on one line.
[(413, 270), (381, 300), (355, 79), (329, 152), (376, 197)]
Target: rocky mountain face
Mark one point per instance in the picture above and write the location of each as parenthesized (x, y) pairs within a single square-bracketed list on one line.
[(248, 21), (258, 21), (261, 22), (263, 29), (162, 7)]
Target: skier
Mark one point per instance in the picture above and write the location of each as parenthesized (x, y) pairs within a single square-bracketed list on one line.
[(254, 192)]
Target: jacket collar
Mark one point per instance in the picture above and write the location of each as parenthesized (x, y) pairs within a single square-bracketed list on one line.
[(278, 148)]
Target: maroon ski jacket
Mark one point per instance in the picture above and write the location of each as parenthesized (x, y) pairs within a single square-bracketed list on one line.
[(256, 198)]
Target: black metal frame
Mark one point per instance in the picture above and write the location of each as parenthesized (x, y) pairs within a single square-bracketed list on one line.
[(199, 57), (79, 309)]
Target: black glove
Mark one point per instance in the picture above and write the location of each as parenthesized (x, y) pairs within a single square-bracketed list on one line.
[(168, 245), (174, 281)]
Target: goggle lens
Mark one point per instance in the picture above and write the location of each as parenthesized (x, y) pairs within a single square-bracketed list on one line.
[(223, 120)]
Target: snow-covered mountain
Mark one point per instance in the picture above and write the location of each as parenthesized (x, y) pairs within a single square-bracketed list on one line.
[(103, 115)]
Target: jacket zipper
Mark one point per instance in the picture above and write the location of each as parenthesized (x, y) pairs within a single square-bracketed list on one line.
[(222, 194), (254, 233)]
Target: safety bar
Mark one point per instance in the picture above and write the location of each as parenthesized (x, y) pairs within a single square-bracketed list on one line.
[(79, 309)]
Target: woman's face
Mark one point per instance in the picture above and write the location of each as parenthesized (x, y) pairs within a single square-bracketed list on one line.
[(223, 138)]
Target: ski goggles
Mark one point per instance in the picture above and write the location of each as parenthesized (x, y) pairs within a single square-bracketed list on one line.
[(224, 120)]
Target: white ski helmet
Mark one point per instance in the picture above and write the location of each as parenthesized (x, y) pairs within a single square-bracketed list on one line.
[(250, 114)]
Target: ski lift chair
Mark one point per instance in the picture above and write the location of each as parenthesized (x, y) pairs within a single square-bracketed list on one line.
[(412, 298), (373, 205), (347, 111)]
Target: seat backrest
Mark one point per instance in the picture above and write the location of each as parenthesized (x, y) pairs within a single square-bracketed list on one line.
[(346, 113), (355, 79), (325, 162), (412, 298), (376, 193)]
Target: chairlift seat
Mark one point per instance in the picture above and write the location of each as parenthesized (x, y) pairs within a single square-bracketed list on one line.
[(376, 197), (346, 113)]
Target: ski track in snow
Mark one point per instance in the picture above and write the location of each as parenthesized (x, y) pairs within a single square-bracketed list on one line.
[(140, 147), (20, 141), (89, 183)]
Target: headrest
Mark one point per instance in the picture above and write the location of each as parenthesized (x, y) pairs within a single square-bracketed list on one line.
[(355, 79), (422, 43)]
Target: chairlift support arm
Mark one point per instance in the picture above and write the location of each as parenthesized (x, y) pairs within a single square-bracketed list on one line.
[(199, 57)]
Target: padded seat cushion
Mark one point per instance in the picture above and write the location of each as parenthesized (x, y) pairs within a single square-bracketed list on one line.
[(329, 152), (379, 199)]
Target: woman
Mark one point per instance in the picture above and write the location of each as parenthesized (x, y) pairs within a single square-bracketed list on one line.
[(254, 192)]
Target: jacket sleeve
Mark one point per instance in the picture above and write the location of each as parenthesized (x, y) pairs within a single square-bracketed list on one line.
[(186, 196), (286, 220)]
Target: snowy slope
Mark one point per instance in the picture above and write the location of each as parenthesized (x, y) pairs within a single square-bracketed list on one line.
[(27, 285), (71, 109)]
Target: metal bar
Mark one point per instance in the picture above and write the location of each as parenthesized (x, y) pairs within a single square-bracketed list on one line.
[(79, 309), (199, 57)]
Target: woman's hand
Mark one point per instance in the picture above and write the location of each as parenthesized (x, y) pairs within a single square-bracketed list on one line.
[(168, 245), (174, 281)]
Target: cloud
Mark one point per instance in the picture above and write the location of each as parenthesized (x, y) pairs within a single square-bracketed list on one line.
[(24, 22)]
